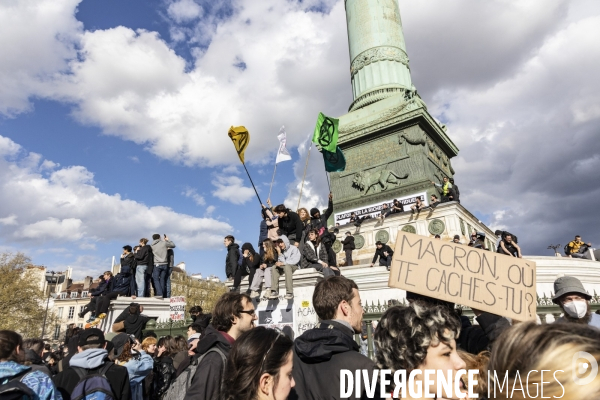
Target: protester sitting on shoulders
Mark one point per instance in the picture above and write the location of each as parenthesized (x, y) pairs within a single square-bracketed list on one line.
[(267, 261), (577, 248), (287, 263), (530, 350), (419, 337), (384, 253), (290, 224), (314, 254), (259, 366), (199, 317), (322, 352), (509, 247), (32, 383), (571, 297)]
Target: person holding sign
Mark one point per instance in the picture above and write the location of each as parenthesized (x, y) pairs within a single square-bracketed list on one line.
[(384, 253)]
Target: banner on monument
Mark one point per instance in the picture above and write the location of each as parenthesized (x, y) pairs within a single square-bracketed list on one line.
[(275, 317), (373, 210), (480, 279), (177, 308)]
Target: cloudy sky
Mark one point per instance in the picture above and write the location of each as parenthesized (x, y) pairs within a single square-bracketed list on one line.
[(114, 114)]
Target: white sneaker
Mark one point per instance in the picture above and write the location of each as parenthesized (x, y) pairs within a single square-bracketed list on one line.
[(254, 294), (289, 296)]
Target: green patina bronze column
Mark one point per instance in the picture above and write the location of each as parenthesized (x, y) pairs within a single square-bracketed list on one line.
[(394, 148)]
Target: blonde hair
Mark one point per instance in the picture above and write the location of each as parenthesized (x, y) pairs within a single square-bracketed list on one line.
[(478, 362), (307, 216), (149, 341), (527, 349)]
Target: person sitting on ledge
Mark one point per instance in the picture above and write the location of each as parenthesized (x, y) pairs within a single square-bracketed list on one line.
[(433, 202), (384, 253), (418, 206), (509, 247), (289, 258), (577, 248)]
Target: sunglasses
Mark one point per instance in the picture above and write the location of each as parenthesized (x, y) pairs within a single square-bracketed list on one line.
[(249, 312)]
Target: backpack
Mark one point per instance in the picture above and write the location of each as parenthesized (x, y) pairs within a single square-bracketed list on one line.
[(14, 389), (93, 385), (180, 385), (567, 249)]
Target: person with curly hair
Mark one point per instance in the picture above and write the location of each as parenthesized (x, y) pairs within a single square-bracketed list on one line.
[(259, 367), (419, 337)]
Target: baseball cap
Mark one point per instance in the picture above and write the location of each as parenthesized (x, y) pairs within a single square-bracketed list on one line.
[(86, 334)]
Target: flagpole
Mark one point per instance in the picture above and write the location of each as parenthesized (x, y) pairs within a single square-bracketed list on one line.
[(304, 176), (328, 184), (272, 180), (254, 187)]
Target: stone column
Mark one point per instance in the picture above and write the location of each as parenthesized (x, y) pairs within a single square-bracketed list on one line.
[(379, 64)]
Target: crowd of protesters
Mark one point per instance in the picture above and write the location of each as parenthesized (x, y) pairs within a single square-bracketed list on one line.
[(226, 357)]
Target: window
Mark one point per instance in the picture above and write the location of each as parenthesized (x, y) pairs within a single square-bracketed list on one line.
[(71, 312), (56, 332), (63, 295), (60, 312), (81, 308), (84, 294), (73, 295)]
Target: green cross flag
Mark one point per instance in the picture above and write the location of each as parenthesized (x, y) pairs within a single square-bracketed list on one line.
[(326, 133), (334, 162)]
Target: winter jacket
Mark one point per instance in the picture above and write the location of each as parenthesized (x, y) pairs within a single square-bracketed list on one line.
[(231, 259), (291, 225), (128, 262), (247, 264), (319, 355), (379, 252), (476, 338), (263, 233), (291, 254), (348, 243), (40, 383), (144, 256), (206, 383), (309, 254), (159, 250), (93, 360), (134, 323), (321, 221), (122, 283), (36, 363), (164, 373), (138, 368), (100, 289), (272, 225)]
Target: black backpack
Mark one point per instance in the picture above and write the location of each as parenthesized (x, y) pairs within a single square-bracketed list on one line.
[(14, 389), (567, 249)]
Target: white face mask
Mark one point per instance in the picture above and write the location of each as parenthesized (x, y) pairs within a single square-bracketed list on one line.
[(576, 308)]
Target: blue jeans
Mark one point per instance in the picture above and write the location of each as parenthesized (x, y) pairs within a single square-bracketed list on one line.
[(168, 285), (159, 276), (140, 271)]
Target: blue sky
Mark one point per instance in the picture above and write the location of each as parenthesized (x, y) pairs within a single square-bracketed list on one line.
[(114, 117)]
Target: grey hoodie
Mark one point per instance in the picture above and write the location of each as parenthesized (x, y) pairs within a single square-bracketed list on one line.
[(159, 249), (291, 254), (89, 359)]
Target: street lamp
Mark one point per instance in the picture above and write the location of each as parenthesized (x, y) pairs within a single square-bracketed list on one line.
[(52, 278)]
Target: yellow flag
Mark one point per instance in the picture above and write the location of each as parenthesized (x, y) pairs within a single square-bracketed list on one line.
[(241, 138)]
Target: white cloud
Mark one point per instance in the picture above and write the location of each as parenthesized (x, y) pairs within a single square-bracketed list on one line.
[(232, 189), (184, 10), (64, 206), (193, 194), (209, 211)]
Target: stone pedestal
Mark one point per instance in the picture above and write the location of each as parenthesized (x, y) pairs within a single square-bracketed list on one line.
[(157, 309)]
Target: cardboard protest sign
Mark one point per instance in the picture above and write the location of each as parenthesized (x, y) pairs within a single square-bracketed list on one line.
[(464, 275), (177, 308)]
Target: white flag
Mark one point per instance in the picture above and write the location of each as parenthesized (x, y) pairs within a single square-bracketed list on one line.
[(283, 154)]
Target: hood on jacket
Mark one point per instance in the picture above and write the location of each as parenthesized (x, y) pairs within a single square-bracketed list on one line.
[(89, 359), (248, 246), (33, 357), (285, 241), (8, 369), (211, 338), (321, 343)]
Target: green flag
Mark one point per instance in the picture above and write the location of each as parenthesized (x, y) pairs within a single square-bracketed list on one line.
[(334, 162), (326, 133)]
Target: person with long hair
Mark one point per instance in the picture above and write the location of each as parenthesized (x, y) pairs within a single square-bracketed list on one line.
[(527, 350), (138, 363), (419, 337), (267, 261), (163, 370), (149, 346), (250, 264), (12, 356), (259, 367)]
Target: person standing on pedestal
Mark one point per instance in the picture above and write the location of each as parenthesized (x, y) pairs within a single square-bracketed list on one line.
[(348, 244), (445, 189), (161, 264), (145, 263)]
